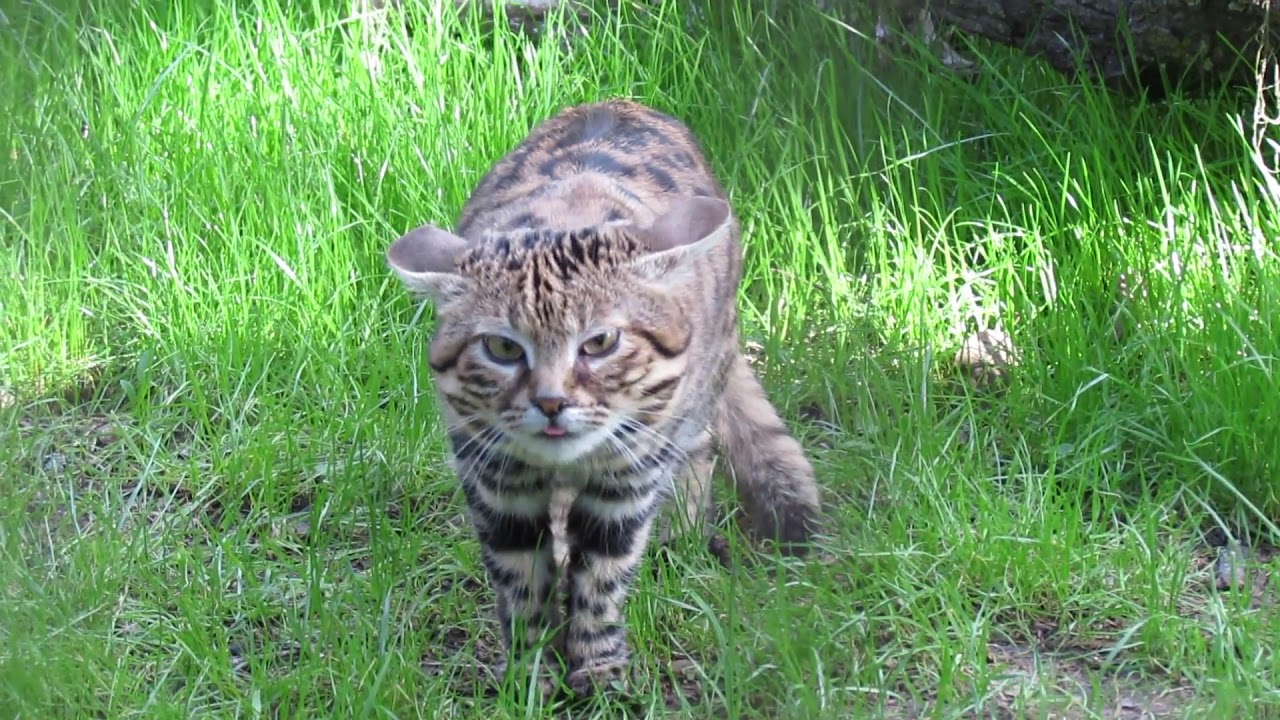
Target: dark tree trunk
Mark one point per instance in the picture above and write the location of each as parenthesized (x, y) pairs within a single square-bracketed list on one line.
[(1152, 44)]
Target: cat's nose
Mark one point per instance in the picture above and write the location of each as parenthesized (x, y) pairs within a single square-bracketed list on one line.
[(551, 406)]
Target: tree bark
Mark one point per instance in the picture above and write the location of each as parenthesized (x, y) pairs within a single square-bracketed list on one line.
[(1151, 44)]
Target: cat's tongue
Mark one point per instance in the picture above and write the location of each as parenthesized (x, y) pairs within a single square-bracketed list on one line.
[(554, 431)]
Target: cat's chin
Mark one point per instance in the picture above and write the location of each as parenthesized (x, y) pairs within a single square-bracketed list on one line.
[(561, 451)]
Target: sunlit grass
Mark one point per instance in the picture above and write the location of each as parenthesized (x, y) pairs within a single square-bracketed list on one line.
[(224, 485)]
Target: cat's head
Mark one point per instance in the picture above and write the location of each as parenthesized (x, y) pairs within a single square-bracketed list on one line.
[(557, 344)]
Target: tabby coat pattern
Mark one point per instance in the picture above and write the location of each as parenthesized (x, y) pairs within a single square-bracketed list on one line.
[(587, 338)]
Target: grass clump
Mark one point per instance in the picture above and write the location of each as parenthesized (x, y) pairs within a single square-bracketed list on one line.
[(225, 490)]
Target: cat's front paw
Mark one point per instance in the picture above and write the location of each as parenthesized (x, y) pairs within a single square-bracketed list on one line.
[(605, 677)]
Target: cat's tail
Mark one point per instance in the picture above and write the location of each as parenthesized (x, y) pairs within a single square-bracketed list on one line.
[(766, 464)]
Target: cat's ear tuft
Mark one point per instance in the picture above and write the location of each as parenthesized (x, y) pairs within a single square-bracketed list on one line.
[(690, 228), (425, 261)]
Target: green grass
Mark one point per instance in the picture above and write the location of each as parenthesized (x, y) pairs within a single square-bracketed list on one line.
[(224, 485)]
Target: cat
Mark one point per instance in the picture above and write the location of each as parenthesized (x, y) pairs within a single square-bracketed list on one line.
[(587, 338)]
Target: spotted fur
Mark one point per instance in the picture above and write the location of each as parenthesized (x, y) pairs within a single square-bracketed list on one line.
[(587, 338)]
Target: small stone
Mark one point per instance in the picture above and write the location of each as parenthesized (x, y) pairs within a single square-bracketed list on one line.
[(986, 356), (1229, 570), (54, 462)]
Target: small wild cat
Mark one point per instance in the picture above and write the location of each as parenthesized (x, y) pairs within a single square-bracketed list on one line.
[(587, 337)]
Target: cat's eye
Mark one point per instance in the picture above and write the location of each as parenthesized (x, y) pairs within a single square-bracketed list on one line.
[(502, 350), (601, 343)]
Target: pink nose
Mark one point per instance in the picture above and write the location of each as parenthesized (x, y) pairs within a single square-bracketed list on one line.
[(551, 406)]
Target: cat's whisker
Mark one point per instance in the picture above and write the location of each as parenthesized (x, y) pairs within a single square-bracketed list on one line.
[(644, 432), (472, 438), (633, 460), (485, 441)]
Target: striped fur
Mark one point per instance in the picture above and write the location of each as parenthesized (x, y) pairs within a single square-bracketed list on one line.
[(587, 338)]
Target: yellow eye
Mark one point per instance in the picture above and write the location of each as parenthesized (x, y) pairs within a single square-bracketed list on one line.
[(601, 344), (502, 350)]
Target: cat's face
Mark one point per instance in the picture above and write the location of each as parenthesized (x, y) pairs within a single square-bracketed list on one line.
[(559, 346), (596, 360)]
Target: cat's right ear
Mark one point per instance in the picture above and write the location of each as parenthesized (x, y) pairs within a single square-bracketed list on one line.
[(425, 260)]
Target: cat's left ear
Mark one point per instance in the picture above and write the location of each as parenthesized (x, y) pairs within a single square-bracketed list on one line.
[(691, 227), (425, 261)]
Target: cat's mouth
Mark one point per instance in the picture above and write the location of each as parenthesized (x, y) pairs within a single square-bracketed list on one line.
[(555, 431)]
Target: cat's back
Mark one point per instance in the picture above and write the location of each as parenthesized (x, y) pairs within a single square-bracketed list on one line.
[(588, 165)]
